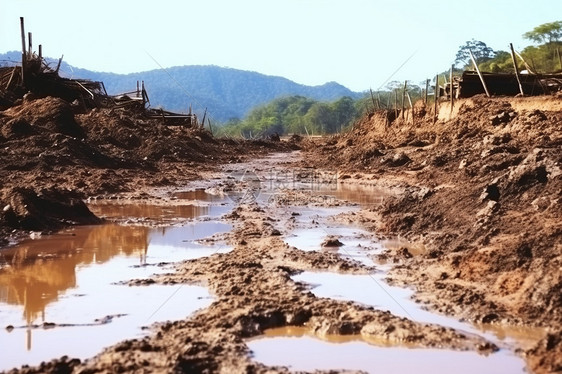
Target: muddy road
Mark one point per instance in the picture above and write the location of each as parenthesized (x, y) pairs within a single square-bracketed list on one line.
[(398, 243), (285, 274)]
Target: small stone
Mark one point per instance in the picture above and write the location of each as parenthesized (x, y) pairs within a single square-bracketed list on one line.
[(331, 241)]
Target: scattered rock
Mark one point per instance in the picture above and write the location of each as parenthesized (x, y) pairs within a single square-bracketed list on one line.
[(331, 241)]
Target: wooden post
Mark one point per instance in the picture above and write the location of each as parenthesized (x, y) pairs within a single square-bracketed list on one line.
[(11, 77), (436, 98), (479, 73), (396, 103), (23, 51), (138, 89), (30, 48), (516, 69), (404, 97), (58, 65), (40, 52), (205, 115), (373, 100), (426, 91), (411, 106), (559, 58), (527, 66), (452, 94)]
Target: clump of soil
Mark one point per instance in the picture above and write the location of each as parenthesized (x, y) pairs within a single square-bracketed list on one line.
[(46, 209), (481, 190), (331, 241)]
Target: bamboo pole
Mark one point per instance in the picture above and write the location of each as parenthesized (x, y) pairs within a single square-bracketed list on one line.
[(411, 106), (527, 66), (30, 45), (479, 73), (436, 98), (58, 65), (426, 91), (396, 103), (373, 100), (204, 116), (11, 78), (451, 92), (404, 97), (516, 69), (23, 51)]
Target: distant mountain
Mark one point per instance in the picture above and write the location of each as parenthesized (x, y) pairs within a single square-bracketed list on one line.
[(227, 93)]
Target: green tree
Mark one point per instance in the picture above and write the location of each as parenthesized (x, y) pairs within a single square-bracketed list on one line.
[(546, 33), (480, 50), (545, 57), (501, 63)]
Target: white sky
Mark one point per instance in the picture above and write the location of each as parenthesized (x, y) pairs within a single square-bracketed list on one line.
[(358, 43)]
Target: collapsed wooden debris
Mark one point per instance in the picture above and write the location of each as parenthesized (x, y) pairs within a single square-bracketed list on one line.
[(470, 84), (34, 77)]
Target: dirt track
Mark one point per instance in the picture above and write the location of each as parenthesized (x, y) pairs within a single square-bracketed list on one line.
[(479, 192)]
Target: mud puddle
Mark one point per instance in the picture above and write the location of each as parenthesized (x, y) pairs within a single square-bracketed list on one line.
[(60, 294), (311, 233), (210, 206), (302, 351), (363, 195)]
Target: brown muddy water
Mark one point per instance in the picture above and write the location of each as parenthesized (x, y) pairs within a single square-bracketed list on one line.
[(302, 350), (64, 290), (61, 294)]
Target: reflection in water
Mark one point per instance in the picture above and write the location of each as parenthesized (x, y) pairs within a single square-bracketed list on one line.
[(40, 269), (200, 195), (359, 194), (300, 331), (305, 353), (38, 276), (157, 213)]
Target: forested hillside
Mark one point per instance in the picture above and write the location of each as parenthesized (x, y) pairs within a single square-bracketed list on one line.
[(227, 93)]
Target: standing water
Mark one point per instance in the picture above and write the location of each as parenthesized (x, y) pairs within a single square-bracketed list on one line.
[(303, 350), (64, 294)]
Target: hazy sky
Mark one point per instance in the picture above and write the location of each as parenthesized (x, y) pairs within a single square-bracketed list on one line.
[(358, 43)]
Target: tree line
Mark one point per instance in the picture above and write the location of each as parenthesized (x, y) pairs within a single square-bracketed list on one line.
[(301, 115), (543, 57)]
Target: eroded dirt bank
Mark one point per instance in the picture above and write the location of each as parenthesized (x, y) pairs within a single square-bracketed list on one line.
[(481, 190)]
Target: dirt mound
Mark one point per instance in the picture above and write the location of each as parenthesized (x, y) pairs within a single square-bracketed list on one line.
[(50, 113), (45, 145), (17, 128), (481, 190), (27, 209)]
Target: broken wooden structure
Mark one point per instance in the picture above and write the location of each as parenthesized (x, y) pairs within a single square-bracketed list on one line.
[(34, 75), (505, 84)]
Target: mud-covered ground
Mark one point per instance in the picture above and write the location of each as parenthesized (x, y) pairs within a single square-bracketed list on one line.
[(481, 191), (52, 158), (478, 192)]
